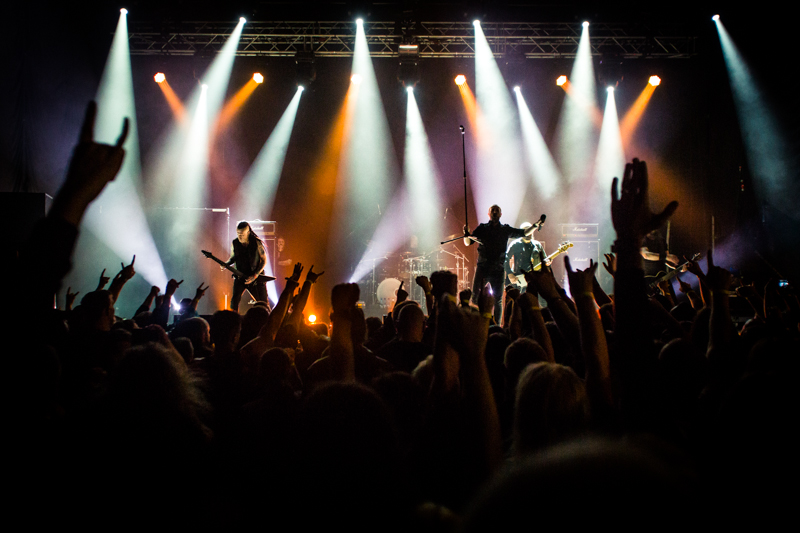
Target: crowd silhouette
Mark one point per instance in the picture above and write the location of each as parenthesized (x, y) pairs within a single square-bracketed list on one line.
[(620, 408)]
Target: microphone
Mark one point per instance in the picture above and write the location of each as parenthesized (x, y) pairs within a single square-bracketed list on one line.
[(539, 223), (462, 129)]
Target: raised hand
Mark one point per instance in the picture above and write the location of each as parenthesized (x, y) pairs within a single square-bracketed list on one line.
[(512, 293), (630, 206), (92, 166), (610, 264), (298, 269), (464, 297), (127, 272), (172, 286), (154, 291), (543, 282), (344, 297), (70, 299), (694, 268), (718, 279), (423, 282), (486, 301), (103, 280), (312, 276), (200, 291), (683, 286), (581, 282), (402, 295)]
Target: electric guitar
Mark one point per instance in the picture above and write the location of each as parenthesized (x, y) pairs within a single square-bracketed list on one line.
[(236, 273), (653, 281), (521, 283)]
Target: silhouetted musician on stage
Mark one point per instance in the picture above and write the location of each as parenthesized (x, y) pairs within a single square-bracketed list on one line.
[(493, 239), (250, 256)]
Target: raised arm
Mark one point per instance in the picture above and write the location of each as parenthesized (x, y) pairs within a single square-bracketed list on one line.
[(266, 336), (299, 303), (632, 219), (343, 301), (593, 340), (148, 300), (121, 279)]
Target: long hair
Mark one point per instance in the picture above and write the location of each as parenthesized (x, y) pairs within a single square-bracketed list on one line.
[(245, 224)]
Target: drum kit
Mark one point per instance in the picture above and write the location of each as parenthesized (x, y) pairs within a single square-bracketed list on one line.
[(388, 271)]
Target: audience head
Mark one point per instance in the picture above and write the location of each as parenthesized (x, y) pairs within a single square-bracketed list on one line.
[(551, 407)]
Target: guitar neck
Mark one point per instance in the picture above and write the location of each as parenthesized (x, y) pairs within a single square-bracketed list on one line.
[(223, 264), (549, 258)]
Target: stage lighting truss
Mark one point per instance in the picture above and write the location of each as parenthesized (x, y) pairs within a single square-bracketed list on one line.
[(408, 69), (433, 39)]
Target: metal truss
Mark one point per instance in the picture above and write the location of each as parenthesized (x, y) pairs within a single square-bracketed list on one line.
[(434, 39)]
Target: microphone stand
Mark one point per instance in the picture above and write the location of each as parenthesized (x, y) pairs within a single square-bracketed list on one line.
[(466, 208)]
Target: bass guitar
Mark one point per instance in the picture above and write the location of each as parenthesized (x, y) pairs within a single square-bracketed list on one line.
[(653, 281), (236, 273), (521, 283)]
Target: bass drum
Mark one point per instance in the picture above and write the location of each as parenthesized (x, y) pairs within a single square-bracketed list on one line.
[(387, 292)]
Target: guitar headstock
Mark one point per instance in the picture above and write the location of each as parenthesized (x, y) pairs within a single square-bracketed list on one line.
[(563, 247)]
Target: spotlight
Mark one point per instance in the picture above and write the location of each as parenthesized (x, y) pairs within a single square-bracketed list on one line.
[(610, 89), (476, 22), (715, 18), (409, 90), (356, 78), (312, 319), (159, 77), (242, 20), (301, 88), (304, 71), (258, 78), (654, 81), (123, 11), (516, 88), (359, 21), (585, 24), (461, 79), (561, 80), (204, 86)]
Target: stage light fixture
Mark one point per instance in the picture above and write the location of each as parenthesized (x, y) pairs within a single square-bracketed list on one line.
[(610, 89), (258, 78), (654, 81), (359, 21), (476, 22), (304, 71), (301, 88), (312, 319), (461, 79), (516, 88), (355, 78), (715, 18), (123, 11), (242, 20), (204, 86), (561, 80), (409, 90), (585, 24), (159, 77)]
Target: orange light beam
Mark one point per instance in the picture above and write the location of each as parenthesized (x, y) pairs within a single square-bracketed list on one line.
[(634, 114), (470, 105), (591, 109), (172, 99), (233, 105)]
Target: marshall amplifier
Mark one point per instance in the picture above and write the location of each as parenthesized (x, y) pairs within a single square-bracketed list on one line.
[(580, 231), (579, 256)]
